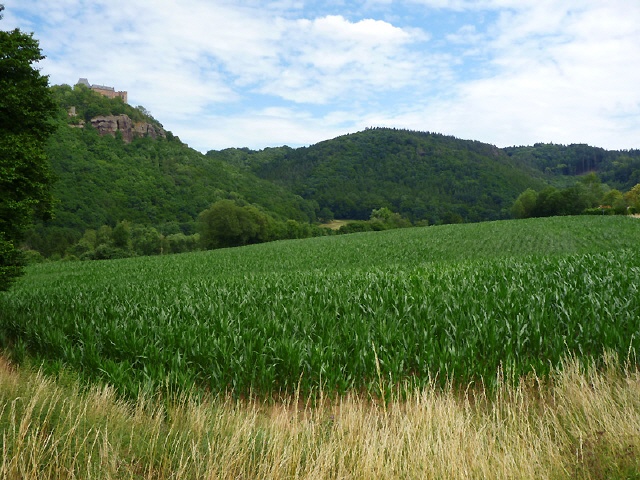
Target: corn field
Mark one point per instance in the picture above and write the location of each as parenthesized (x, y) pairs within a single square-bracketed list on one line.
[(364, 312)]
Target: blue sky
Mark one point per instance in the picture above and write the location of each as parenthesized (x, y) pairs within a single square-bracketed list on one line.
[(252, 73)]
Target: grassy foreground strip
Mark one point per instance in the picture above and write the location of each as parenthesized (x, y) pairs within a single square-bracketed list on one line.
[(579, 423)]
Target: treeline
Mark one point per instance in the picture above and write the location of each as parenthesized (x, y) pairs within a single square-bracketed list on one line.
[(588, 196), (224, 224), (380, 219), (243, 226)]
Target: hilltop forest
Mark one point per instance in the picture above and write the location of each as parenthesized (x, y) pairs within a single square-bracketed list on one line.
[(118, 197)]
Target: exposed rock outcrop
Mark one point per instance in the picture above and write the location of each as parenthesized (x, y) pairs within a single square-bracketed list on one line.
[(143, 129), (110, 124)]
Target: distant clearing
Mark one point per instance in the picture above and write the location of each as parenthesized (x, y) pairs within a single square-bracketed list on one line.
[(335, 224)]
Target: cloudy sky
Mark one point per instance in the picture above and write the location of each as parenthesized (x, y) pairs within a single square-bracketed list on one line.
[(236, 73)]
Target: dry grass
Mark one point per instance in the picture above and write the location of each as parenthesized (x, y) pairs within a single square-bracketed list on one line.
[(577, 424)]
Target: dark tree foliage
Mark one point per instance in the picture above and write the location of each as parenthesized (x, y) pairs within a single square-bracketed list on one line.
[(226, 224), (420, 175), (26, 110), (587, 196), (435, 178), (618, 168)]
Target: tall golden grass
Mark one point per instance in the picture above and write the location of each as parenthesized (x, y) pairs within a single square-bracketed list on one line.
[(578, 423)]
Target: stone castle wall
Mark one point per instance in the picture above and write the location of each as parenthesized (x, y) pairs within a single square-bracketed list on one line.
[(109, 92)]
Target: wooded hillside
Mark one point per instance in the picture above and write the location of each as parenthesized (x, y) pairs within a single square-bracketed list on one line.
[(423, 176), (161, 182), (156, 181)]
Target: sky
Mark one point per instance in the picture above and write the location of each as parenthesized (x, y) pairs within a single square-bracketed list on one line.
[(257, 74)]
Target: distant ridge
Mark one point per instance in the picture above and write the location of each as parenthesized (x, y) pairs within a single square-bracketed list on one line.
[(423, 176), (428, 176)]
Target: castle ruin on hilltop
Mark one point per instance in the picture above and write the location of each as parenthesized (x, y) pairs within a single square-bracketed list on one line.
[(113, 124), (109, 92)]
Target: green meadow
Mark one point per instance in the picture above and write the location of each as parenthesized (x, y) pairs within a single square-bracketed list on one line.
[(356, 313)]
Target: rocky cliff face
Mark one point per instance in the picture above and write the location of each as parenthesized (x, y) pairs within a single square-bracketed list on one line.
[(110, 124)]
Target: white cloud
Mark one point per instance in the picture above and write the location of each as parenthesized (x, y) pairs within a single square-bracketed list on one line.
[(553, 71), (327, 58), (260, 129), (232, 73)]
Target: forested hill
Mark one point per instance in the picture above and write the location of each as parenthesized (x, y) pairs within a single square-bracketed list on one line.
[(161, 182), (428, 176), (423, 176)]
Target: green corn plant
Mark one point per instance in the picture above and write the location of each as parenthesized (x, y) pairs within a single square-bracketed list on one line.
[(454, 303)]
